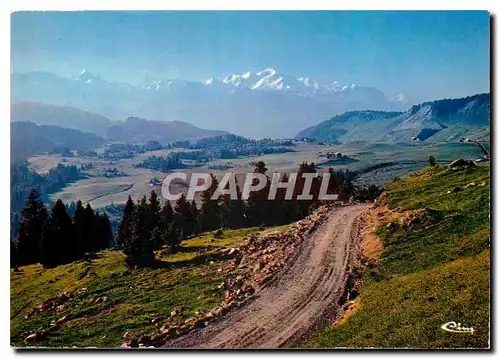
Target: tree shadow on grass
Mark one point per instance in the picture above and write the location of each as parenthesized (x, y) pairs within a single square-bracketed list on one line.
[(197, 260)]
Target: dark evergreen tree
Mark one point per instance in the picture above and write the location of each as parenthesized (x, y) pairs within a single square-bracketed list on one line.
[(210, 216), (233, 211), (123, 229), (304, 207), (194, 217), (260, 167), (14, 261), (22, 246), (183, 222), (132, 244), (138, 246), (346, 188), (33, 217), (168, 232), (104, 235), (257, 206), (80, 231), (55, 243), (143, 218), (154, 209), (283, 210), (89, 230), (333, 184)]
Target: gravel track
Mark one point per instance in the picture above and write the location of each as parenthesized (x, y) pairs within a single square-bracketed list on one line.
[(305, 295)]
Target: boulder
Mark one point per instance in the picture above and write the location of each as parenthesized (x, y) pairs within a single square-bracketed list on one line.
[(461, 163), (39, 334)]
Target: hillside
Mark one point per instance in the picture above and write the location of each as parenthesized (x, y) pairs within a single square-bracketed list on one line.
[(136, 129), (443, 120), (63, 116), (430, 265), (27, 139), (138, 301)]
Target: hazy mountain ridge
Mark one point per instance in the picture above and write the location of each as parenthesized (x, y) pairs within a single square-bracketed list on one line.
[(263, 107), (28, 139), (136, 129), (63, 116), (133, 129), (441, 120)]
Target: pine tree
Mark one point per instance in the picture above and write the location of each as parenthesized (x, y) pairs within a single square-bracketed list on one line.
[(103, 231), (282, 210), (194, 218), (138, 246), (233, 211), (154, 220), (333, 184), (257, 206), (166, 217), (260, 167), (123, 229), (55, 243), (143, 218), (131, 246), (210, 211), (168, 233), (154, 208), (22, 244), (89, 233), (49, 244), (183, 222), (79, 230), (346, 188), (14, 261), (303, 207), (33, 217)]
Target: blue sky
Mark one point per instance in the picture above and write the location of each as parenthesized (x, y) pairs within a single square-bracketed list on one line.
[(426, 55)]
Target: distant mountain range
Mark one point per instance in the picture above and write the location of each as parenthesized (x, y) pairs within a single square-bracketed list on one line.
[(273, 81), (261, 104), (27, 139), (64, 116), (140, 130), (443, 120), (131, 130)]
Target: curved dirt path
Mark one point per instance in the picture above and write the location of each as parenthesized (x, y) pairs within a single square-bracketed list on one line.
[(305, 295)]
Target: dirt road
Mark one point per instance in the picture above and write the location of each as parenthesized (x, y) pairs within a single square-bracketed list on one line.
[(306, 294)]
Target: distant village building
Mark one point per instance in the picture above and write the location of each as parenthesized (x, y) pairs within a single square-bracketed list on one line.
[(334, 155), (188, 162), (154, 182)]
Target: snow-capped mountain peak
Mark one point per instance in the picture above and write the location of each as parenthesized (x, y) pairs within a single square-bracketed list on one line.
[(232, 79), (271, 80), (86, 76), (267, 72), (246, 75), (265, 103), (399, 98), (209, 81)]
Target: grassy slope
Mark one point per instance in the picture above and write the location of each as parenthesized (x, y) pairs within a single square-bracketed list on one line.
[(431, 272), (133, 300)]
